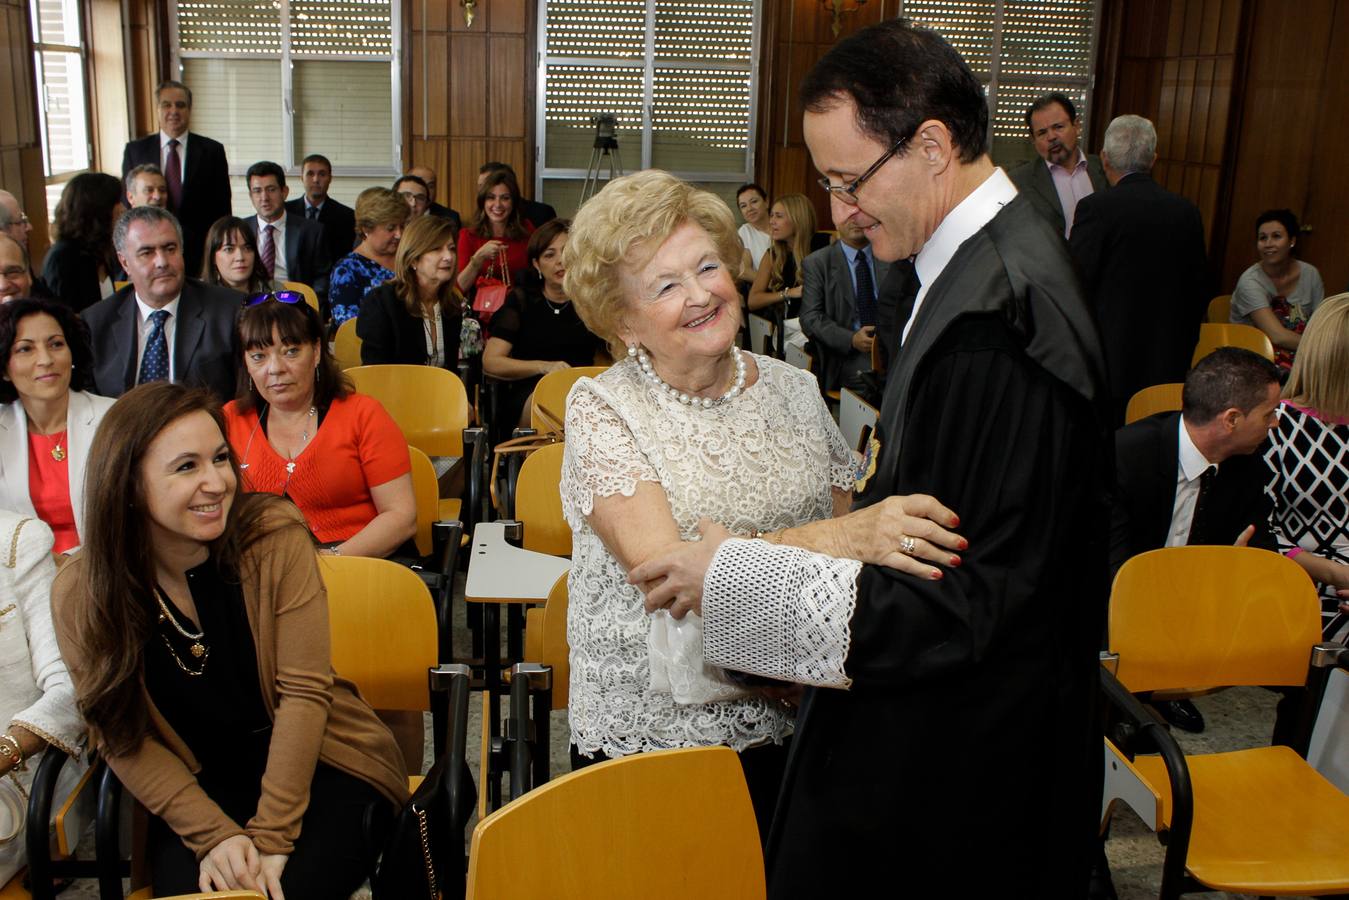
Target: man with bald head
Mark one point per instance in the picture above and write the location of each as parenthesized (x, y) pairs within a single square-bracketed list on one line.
[(13, 221), (428, 175), (16, 279)]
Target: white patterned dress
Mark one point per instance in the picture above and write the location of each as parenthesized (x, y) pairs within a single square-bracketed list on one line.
[(766, 460), (1308, 461)]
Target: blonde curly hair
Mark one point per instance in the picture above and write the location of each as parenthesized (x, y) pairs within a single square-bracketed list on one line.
[(619, 230)]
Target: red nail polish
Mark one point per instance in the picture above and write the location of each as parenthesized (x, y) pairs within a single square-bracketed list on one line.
[(936, 575), (955, 521), (955, 560), (963, 545)]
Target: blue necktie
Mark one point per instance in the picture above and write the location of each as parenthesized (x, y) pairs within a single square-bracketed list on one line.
[(866, 290), (155, 362)]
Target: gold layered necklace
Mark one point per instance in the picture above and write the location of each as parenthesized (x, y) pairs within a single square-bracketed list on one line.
[(199, 650)]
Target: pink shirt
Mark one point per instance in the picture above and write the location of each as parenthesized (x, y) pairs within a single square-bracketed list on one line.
[(1072, 184)]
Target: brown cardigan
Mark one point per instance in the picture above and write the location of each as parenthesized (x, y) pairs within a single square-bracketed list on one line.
[(316, 714)]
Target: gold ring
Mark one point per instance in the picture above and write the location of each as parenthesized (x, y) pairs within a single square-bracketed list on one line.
[(907, 545)]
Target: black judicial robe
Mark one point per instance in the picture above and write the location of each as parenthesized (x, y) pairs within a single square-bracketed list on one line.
[(963, 760)]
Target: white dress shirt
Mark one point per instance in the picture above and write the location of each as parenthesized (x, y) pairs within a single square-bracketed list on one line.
[(143, 331), (1191, 466), (960, 224), (279, 270), (182, 155)]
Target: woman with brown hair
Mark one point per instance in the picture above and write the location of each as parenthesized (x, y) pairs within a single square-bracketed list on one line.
[(792, 225), (299, 430), (195, 625), (381, 216), (232, 258), (497, 227), (417, 317), (81, 265)]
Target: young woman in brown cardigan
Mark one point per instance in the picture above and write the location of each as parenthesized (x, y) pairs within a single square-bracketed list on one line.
[(195, 626)]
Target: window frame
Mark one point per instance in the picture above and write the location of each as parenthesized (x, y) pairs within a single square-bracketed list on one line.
[(287, 60), (648, 65), (80, 51)]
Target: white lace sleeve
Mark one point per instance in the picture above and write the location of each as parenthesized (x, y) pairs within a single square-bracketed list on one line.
[(780, 612), (601, 457), (843, 460)]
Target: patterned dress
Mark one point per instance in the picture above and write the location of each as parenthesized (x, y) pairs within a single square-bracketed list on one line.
[(351, 279), (1308, 463)]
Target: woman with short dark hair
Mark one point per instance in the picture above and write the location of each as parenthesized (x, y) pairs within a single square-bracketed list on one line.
[(1280, 292), (48, 417), (81, 265)]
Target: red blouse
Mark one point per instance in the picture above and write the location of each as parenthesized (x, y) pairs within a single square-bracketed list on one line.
[(49, 487)]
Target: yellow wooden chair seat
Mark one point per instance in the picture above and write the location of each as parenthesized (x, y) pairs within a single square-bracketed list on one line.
[(1260, 820), (347, 345), (14, 889), (1152, 400)]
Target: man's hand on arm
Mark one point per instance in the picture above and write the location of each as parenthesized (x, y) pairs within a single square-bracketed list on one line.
[(863, 338)]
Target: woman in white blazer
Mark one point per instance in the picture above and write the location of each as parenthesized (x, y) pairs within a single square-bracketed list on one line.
[(37, 699), (47, 420)]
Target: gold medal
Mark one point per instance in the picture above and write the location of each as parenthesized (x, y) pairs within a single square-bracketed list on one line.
[(868, 465)]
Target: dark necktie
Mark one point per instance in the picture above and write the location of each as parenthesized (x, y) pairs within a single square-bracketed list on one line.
[(173, 174), (312, 213), (268, 251), (866, 290), (1205, 484), (155, 362)]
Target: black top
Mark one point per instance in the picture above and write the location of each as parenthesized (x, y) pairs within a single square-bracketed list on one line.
[(70, 271), (538, 329), (219, 713), (392, 335)]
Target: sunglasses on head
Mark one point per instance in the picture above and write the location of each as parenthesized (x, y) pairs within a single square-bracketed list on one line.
[(278, 296)]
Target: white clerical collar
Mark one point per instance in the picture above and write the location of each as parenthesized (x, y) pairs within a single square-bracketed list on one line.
[(1192, 460), (960, 224)]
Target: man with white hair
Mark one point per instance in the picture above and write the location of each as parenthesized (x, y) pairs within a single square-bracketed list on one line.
[(1140, 252)]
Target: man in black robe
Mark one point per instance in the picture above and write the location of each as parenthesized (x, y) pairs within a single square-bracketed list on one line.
[(948, 745)]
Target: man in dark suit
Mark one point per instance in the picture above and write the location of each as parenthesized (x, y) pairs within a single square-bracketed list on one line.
[(1063, 174), (1140, 251), (534, 213), (428, 177), (162, 326), (839, 304), (1194, 477), (291, 248), (195, 167), (337, 219)]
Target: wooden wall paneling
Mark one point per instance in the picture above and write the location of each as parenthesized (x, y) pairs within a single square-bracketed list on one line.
[(108, 83), (436, 84), (1165, 118), (468, 88), (1219, 110), (1210, 25), (513, 153), (506, 87), (465, 157), (1180, 121), (13, 54), (1327, 205), (508, 16)]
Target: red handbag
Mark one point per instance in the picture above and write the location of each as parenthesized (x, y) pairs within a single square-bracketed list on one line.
[(490, 291)]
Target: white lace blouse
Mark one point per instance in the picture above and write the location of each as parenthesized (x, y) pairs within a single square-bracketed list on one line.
[(766, 459)]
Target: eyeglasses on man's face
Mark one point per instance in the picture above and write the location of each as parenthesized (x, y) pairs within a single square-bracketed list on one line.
[(847, 193)]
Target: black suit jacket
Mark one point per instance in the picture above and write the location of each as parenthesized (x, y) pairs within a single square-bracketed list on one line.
[(70, 273), (205, 348), (307, 258), (1146, 456), (536, 213), (391, 335), (828, 308), (206, 187), (444, 212), (339, 225), (1140, 252), (1032, 179)]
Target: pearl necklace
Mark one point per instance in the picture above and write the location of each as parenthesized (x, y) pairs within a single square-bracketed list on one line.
[(738, 385)]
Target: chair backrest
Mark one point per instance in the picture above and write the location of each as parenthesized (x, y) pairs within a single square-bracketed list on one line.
[(383, 625), (797, 356), (538, 502), (347, 345), (1220, 309), (1200, 617), (555, 652), (1152, 400), (309, 296), (665, 825), (1226, 334), (429, 404), (426, 490), (549, 409)]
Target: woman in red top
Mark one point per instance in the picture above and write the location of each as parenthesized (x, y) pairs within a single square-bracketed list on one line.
[(497, 226), (299, 430), (47, 418)]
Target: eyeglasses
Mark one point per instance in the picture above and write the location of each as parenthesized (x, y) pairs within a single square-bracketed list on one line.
[(278, 296), (419, 199), (847, 193)]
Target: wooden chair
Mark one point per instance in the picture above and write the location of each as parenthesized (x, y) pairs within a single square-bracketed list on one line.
[(66, 821), (1152, 400), (538, 502), (549, 408), (347, 345), (1258, 821), (309, 296), (439, 537), (666, 825), (1220, 309), (1212, 336)]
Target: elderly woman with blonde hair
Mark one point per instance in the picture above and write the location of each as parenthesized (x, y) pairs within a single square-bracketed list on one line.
[(687, 427)]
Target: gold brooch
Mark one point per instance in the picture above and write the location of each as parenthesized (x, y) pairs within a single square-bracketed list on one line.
[(868, 465)]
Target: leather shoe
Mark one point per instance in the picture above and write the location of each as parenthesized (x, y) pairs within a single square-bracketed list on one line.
[(1183, 714)]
